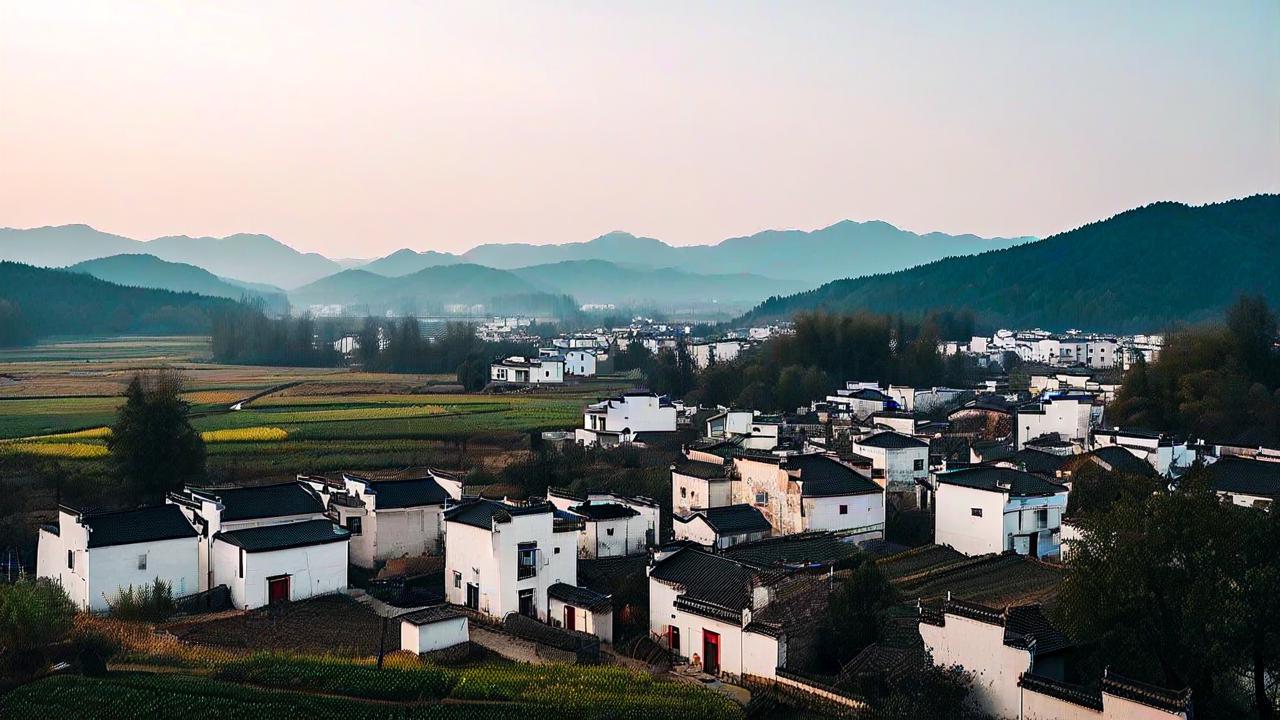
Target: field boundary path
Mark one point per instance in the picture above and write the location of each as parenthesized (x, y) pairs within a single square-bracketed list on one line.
[(239, 404)]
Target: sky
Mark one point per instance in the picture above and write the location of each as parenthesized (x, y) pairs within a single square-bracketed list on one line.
[(357, 128)]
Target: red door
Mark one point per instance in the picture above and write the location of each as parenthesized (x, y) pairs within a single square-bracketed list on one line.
[(710, 652), (673, 639), (570, 618), (277, 589)]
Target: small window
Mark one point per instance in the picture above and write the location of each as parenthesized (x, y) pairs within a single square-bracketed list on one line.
[(354, 525), (844, 509), (609, 532), (142, 561), (457, 579), (1042, 518), (71, 559), (527, 560), (557, 551), (683, 493), (976, 512), (762, 498), (919, 465)]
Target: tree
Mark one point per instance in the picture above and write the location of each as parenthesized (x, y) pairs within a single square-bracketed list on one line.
[(153, 447), (1178, 589), (34, 613), (855, 614)]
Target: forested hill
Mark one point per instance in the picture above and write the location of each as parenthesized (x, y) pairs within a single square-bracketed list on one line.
[(36, 302), (1140, 270)]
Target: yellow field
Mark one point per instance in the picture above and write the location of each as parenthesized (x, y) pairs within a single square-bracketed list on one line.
[(249, 434)]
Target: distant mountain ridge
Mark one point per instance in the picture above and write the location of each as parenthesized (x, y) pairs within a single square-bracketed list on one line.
[(246, 257), (1139, 270), (805, 257), (151, 272)]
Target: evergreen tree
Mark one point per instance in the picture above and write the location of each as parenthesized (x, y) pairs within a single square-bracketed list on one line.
[(153, 447)]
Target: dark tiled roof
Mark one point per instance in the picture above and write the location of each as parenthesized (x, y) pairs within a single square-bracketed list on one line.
[(708, 579), (1244, 476), (735, 519), (820, 476), (266, 501), (803, 549), (426, 616), (703, 470), (1026, 622), (892, 441), (580, 597), (408, 493), (869, 394), (1037, 461), (481, 512), (604, 511), (161, 522), (998, 479), (285, 536), (1081, 695), (1140, 692), (1117, 459)]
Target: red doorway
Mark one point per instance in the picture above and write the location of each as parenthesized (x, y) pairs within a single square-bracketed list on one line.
[(277, 589), (673, 639), (570, 618), (710, 652)]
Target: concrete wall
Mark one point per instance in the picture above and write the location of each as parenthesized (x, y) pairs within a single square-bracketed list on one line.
[(955, 524), (490, 560), (979, 648), (434, 636), (861, 511), (690, 492), (312, 570)]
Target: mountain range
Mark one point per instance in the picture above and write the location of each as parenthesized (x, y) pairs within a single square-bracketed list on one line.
[(150, 271), (793, 259), (1141, 270)]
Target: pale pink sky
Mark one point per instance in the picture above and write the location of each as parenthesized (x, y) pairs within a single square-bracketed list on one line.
[(357, 128)]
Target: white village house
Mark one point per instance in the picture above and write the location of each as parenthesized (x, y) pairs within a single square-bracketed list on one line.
[(985, 509), (898, 461), (707, 608), (261, 567), (722, 527), (1167, 455), (528, 371), (1069, 417), (612, 525), (94, 556), (503, 558), (619, 419), (388, 519), (801, 493), (697, 483)]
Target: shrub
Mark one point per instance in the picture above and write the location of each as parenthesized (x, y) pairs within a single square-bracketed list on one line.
[(34, 613), (150, 603)]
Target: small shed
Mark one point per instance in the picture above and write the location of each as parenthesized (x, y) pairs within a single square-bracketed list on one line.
[(433, 628), (581, 609)]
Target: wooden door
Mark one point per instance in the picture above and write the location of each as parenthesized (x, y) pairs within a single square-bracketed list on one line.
[(277, 589), (710, 652), (673, 639), (473, 596), (570, 618)]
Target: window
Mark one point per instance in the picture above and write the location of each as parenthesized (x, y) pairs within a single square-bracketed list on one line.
[(1042, 518), (976, 512), (457, 579), (557, 551), (528, 603), (844, 509), (762, 498), (142, 561), (240, 572), (71, 559), (919, 465), (609, 532), (353, 525), (527, 560), (682, 492)]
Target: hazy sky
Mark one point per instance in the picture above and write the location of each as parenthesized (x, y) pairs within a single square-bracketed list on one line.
[(357, 128)]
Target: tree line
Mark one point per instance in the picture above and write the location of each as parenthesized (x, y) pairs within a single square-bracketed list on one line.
[(1217, 381), (788, 371)]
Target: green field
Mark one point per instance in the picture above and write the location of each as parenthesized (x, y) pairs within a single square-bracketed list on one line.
[(331, 418), (277, 687)]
